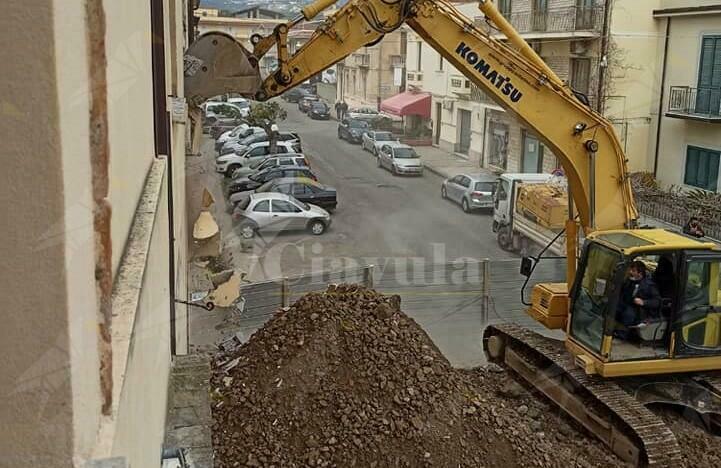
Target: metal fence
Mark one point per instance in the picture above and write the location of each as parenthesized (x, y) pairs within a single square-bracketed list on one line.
[(452, 302), (695, 101)]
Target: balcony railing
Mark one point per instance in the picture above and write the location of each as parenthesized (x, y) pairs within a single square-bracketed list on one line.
[(695, 103), (362, 60), (558, 20)]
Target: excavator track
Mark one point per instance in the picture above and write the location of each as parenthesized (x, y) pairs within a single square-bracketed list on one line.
[(626, 426)]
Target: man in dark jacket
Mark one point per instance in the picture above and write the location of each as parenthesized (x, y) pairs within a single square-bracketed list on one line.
[(639, 299), (338, 109)]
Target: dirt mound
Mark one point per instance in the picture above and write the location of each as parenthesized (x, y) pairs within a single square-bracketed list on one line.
[(344, 378)]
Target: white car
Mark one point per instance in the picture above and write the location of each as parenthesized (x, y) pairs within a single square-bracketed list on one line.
[(400, 159), (240, 146), (242, 104), (227, 164), (364, 113), (272, 211), (235, 135), (373, 140)]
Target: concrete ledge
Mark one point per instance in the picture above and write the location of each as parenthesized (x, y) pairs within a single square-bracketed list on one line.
[(127, 289)]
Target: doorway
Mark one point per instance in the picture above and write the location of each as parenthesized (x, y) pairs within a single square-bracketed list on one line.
[(532, 161), (437, 127), (464, 124)]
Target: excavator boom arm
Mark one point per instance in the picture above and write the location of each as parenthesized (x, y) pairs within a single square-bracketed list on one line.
[(514, 77)]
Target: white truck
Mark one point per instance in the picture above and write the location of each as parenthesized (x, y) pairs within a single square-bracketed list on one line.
[(517, 229)]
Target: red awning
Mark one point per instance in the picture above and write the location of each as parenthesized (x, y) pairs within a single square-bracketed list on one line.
[(408, 103)]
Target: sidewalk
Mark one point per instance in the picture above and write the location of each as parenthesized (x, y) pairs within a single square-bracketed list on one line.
[(446, 164)]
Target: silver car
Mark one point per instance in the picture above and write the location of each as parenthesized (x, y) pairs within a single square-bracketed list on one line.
[(271, 161), (472, 192), (372, 141), (399, 159), (271, 211)]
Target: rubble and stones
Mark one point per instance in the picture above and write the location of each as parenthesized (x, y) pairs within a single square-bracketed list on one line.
[(344, 378)]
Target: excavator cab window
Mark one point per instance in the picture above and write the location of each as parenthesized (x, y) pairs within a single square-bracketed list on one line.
[(644, 306), (591, 295), (699, 317)]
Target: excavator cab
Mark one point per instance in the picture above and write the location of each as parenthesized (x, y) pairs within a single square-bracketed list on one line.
[(678, 330)]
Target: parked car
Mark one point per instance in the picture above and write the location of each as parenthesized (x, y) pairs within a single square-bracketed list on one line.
[(271, 161), (304, 189), (272, 211), (240, 146), (364, 113), (373, 140), (254, 181), (294, 95), (220, 117), (305, 102), (242, 103), (471, 192), (352, 130), (319, 111), (227, 164), (329, 76), (399, 159), (238, 133)]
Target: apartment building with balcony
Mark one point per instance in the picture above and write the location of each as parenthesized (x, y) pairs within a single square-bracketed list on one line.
[(616, 71), (688, 132), (373, 74)]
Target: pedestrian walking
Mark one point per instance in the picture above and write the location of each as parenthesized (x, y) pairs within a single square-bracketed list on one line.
[(338, 110), (343, 109)]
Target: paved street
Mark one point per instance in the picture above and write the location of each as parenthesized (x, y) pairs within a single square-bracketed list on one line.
[(379, 215), (400, 224)]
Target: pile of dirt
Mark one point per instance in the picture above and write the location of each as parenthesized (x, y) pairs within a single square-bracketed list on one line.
[(344, 378)]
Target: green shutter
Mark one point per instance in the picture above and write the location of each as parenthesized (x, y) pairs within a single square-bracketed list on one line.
[(712, 158), (702, 168), (691, 167)]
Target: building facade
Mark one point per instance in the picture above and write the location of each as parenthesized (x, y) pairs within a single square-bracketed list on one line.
[(372, 74), (95, 237), (687, 132), (565, 33)]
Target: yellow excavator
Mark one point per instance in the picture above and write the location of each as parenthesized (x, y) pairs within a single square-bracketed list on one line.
[(602, 378)]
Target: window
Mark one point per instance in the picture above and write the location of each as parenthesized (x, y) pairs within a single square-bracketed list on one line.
[(419, 62), (262, 207), (259, 151), (504, 6), (540, 11), (590, 303), (300, 190), (283, 188), (581, 74), (702, 166), (465, 181), (286, 162), (701, 316), (281, 206)]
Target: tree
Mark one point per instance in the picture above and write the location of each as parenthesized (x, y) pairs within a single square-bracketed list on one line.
[(264, 115)]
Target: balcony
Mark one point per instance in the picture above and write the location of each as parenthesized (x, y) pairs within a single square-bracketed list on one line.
[(362, 60), (702, 104), (570, 21)]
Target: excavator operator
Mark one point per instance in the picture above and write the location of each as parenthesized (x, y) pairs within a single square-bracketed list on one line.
[(640, 299)]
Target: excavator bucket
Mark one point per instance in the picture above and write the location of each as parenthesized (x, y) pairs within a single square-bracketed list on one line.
[(217, 64)]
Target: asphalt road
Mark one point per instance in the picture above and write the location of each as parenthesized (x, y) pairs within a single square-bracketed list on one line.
[(379, 217)]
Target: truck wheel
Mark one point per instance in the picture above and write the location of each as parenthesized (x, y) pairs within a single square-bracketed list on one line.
[(504, 238)]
